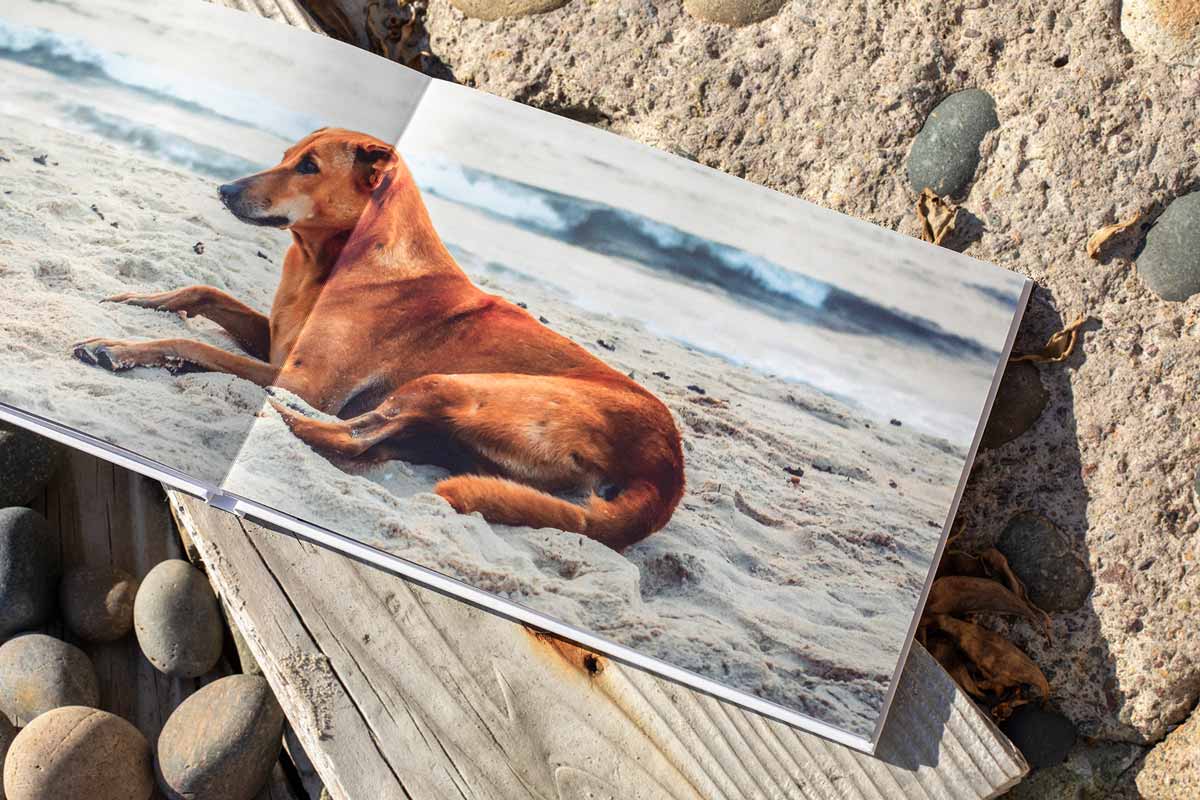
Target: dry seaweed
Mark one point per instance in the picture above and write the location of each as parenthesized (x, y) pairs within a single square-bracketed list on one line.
[(960, 595), (1098, 239), (936, 216), (393, 30), (951, 658), (1004, 671), (1059, 346), (332, 19), (982, 662)]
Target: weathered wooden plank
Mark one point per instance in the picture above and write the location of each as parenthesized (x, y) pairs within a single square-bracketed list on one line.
[(289, 12), (397, 691)]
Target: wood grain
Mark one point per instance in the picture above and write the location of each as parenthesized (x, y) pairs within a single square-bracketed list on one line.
[(395, 691)]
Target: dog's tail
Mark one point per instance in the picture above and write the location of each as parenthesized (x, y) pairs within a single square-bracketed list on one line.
[(635, 513)]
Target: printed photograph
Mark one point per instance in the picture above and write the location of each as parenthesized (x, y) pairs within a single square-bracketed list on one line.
[(698, 418)]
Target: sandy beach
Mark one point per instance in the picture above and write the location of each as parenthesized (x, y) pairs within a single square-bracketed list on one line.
[(789, 571)]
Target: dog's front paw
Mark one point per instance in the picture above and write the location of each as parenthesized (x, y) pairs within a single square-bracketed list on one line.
[(110, 354)]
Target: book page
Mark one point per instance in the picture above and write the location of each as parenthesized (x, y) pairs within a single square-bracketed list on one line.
[(717, 426), (119, 122), (708, 428)]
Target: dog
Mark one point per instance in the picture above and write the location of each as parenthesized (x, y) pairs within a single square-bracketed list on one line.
[(374, 323)]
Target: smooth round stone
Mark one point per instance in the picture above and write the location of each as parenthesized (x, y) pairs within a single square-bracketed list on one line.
[(78, 752), (1042, 557), (1169, 31), (945, 153), (97, 602), (27, 462), (733, 12), (1043, 737), (28, 570), (8, 732), (495, 9), (1020, 401), (1170, 261), (177, 620), (222, 742), (39, 673)]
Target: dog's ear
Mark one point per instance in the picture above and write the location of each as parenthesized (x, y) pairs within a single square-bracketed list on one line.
[(372, 161)]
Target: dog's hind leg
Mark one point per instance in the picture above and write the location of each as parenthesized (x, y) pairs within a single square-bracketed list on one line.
[(416, 401), (543, 434), (250, 329)]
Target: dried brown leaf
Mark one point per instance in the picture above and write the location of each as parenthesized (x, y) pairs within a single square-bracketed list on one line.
[(1004, 708), (946, 653), (1100, 237), (332, 19), (936, 215), (1058, 347), (997, 565), (956, 562), (1003, 667), (959, 595)]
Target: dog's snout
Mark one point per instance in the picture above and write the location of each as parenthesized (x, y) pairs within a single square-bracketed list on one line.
[(229, 191)]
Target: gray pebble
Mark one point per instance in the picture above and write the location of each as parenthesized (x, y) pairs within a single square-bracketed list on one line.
[(1020, 400), (39, 673), (1043, 737), (28, 570), (1170, 262), (733, 12), (177, 620), (27, 462), (97, 602), (497, 9), (1056, 578), (945, 152), (78, 752), (222, 742)]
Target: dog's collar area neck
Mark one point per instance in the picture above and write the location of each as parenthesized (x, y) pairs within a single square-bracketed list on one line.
[(322, 248)]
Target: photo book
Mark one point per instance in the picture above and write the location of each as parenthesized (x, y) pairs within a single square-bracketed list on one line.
[(702, 427)]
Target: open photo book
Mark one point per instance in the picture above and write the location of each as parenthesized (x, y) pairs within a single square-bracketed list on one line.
[(700, 426)]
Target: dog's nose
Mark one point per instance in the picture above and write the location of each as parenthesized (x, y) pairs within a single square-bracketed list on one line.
[(229, 191)]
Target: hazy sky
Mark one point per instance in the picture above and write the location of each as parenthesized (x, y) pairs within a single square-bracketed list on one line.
[(890, 268), (246, 65)]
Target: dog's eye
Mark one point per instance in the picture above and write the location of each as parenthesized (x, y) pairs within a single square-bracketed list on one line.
[(307, 166)]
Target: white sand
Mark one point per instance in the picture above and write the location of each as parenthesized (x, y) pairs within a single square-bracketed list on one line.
[(59, 258), (798, 591)]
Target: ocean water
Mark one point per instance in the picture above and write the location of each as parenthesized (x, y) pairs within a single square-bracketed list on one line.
[(714, 295)]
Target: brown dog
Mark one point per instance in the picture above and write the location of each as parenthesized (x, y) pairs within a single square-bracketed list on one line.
[(375, 323)]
